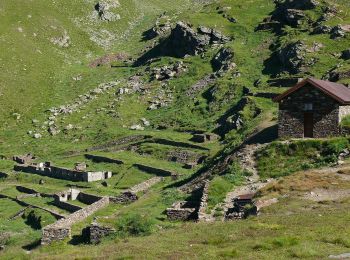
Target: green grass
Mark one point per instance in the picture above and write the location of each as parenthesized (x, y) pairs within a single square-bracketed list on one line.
[(281, 159), (37, 75)]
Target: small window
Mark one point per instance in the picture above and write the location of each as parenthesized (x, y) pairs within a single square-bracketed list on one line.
[(308, 107)]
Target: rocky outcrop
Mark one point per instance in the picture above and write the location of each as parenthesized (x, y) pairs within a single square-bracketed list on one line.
[(184, 40), (338, 32), (293, 57), (223, 60), (168, 71), (104, 10), (200, 85)]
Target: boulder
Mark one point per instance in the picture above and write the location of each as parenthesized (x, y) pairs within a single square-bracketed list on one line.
[(184, 40), (223, 60), (345, 54), (337, 32), (321, 29), (294, 17), (292, 56)]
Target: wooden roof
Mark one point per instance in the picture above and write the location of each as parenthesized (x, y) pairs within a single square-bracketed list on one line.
[(337, 91)]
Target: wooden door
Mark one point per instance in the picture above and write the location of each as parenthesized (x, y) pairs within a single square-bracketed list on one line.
[(308, 125)]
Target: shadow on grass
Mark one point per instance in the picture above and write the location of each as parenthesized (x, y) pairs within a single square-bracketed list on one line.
[(32, 246)]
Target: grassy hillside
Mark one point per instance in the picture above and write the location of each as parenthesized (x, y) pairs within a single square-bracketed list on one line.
[(57, 53)]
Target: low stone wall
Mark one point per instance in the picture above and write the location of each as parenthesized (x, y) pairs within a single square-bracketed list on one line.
[(88, 198), (185, 157), (25, 204), (26, 190), (146, 184), (62, 228), (96, 232), (181, 211), (65, 174), (178, 144), (125, 197), (67, 206), (98, 159), (153, 170), (202, 215)]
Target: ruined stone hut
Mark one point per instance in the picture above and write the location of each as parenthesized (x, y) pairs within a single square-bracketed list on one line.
[(313, 108)]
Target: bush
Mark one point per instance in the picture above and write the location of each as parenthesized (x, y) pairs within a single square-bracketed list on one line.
[(134, 225)]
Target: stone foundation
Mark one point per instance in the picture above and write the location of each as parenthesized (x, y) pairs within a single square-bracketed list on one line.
[(182, 211), (61, 229), (45, 169), (125, 197), (96, 232)]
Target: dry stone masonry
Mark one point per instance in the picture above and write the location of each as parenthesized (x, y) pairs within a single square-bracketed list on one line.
[(46, 169), (61, 229)]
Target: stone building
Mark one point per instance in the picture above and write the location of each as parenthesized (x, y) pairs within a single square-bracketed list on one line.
[(312, 108)]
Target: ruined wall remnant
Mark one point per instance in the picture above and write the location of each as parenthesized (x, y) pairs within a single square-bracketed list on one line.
[(125, 197), (45, 169), (182, 211), (95, 232), (61, 229), (202, 215)]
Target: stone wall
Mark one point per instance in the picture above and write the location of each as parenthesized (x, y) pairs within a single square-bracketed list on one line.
[(202, 215), (67, 206), (96, 232), (88, 198), (146, 184), (182, 211), (325, 113), (181, 156), (62, 173), (153, 170), (62, 228), (96, 158), (125, 197)]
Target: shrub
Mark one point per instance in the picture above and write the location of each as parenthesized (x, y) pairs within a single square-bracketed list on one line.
[(134, 224)]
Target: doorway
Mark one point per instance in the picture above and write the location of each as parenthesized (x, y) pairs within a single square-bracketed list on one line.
[(308, 125)]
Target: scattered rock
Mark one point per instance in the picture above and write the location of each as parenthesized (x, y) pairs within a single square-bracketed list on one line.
[(137, 127), (62, 41), (337, 32), (41, 182), (321, 29), (168, 72), (37, 136), (145, 122)]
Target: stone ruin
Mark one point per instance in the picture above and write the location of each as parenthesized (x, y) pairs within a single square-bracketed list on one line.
[(202, 138), (61, 229), (192, 209), (46, 169), (95, 232), (243, 206), (182, 211)]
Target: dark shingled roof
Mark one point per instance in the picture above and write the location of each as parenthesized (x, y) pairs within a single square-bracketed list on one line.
[(335, 90)]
